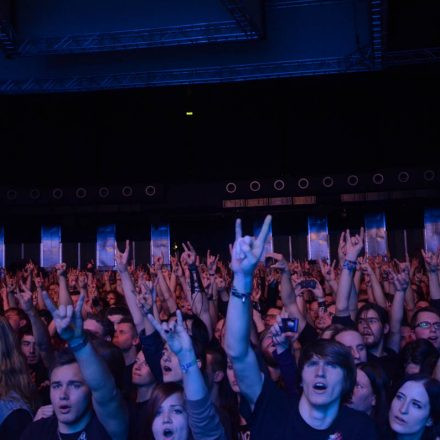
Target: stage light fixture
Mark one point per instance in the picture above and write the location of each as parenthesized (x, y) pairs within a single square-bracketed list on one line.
[(127, 191), (34, 194), (403, 177), (231, 187), (378, 179), (150, 190), (255, 186), (57, 193), (11, 194), (429, 175), (352, 180), (279, 185), (303, 183), (81, 193), (103, 192), (328, 181)]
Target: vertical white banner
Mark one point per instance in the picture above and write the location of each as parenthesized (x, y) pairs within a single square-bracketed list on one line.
[(50, 246), (376, 242), (318, 239), (160, 243), (432, 230), (105, 247)]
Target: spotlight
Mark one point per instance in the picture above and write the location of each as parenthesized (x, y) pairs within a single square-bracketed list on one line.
[(81, 193), (429, 175), (255, 186), (11, 194), (403, 177), (34, 194), (303, 183), (328, 181), (127, 191), (150, 190), (378, 179), (279, 185), (57, 193), (103, 192), (352, 180), (231, 187)]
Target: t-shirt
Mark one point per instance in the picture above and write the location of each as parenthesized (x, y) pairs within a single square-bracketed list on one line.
[(47, 429), (276, 416)]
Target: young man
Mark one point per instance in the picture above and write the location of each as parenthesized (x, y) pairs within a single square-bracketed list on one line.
[(327, 369), (83, 394)]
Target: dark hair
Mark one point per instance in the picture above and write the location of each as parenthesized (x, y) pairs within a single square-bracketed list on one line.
[(105, 323), (379, 384), (337, 353), (62, 358), (334, 329), (432, 387), (381, 312), (423, 309), (117, 310), (417, 352), (129, 320), (160, 393)]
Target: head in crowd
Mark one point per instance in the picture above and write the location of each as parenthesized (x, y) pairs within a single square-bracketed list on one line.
[(330, 331), (267, 348), (418, 357), (116, 313), (215, 365), (327, 372), (14, 376), (218, 330), (113, 299), (426, 325), (369, 393), (270, 318), (415, 408), (70, 396), (99, 326), (74, 295), (17, 318), (324, 317), (354, 341), (141, 374), (29, 347), (372, 324), (166, 414), (125, 336)]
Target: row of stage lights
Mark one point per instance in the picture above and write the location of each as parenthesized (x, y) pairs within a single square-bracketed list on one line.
[(81, 193), (352, 180)]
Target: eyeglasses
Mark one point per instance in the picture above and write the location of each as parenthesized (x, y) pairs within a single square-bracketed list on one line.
[(428, 325)]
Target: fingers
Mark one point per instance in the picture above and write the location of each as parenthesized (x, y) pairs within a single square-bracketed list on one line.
[(191, 247), (184, 247), (179, 318), (157, 326), (127, 247), (347, 237), (238, 233), (264, 233)]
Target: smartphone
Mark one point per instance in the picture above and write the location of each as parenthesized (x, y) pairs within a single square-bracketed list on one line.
[(289, 325), (308, 284)]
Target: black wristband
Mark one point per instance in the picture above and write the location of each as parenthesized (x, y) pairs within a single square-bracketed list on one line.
[(78, 346), (242, 296)]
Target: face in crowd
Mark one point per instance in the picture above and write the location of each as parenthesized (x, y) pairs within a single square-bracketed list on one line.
[(170, 366), (171, 420), (410, 410), (371, 328), (427, 326), (354, 341), (70, 396), (125, 336), (30, 349), (141, 374), (363, 398)]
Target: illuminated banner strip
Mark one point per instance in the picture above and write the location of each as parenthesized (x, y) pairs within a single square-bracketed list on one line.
[(376, 242), (2, 246), (432, 230), (50, 246), (317, 239), (268, 248), (160, 243), (105, 247)]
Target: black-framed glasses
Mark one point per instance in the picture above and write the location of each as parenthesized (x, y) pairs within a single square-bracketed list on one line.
[(428, 325)]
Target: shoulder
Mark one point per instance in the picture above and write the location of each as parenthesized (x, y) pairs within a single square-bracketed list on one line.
[(358, 423), (43, 428)]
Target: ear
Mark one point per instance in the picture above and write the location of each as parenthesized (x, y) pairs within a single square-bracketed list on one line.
[(219, 376), (373, 400), (429, 422), (199, 363), (136, 341), (22, 322), (386, 329)]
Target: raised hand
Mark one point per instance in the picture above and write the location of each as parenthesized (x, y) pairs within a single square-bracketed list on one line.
[(175, 335), (401, 280), (353, 245), (189, 256), (432, 261), (281, 262), (121, 258), (211, 262), (68, 321), (25, 299), (81, 281), (342, 248), (61, 269)]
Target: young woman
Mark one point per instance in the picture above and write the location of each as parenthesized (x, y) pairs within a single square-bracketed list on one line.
[(415, 409), (15, 386)]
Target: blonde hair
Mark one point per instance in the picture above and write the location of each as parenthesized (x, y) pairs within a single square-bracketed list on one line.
[(14, 374)]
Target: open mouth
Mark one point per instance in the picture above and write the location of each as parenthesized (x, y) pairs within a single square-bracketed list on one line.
[(399, 420), (168, 433), (64, 409), (319, 386), (166, 369)]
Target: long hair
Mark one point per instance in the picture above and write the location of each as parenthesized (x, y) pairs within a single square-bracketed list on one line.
[(160, 393), (14, 374)]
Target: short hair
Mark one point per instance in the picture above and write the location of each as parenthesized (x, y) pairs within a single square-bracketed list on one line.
[(129, 320), (380, 311), (333, 330), (337, 353), (423, 309), (62, 357), (105, 323), (117, 310), (418, 352), (219, 358)]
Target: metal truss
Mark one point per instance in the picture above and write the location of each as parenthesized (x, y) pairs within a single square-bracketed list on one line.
[(242, 18), (277, 4), (7, 39), (193, 34), (417, 56), (355, 63), (377, 8)]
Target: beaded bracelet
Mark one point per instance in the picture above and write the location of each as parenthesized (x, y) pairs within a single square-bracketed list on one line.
[(349, 265)]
